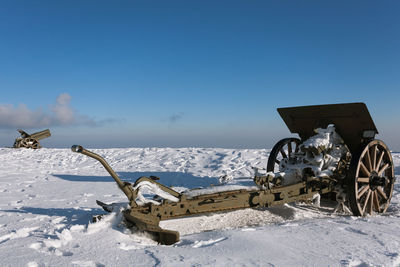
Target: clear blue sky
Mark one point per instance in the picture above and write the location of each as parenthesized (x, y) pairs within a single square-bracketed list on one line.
[(192, 73)]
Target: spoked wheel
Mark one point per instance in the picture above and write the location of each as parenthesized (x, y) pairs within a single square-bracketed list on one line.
[(29, 143), (371, 179), (283, 149)]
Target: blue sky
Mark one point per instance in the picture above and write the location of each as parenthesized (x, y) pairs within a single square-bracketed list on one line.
[(192, 73)]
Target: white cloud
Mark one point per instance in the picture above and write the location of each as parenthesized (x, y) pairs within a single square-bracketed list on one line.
[(21, 116), (59, 114), (63, 113)]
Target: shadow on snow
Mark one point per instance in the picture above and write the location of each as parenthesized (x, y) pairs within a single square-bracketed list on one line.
[(176, 179), (72, 216)]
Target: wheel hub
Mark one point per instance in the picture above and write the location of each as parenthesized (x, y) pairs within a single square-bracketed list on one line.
[(375, 180)]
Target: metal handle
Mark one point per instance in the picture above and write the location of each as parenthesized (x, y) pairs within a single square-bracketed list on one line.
[(124, 186)]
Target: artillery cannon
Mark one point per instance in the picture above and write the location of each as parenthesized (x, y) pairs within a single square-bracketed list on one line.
[(343, 159), (31, 140)]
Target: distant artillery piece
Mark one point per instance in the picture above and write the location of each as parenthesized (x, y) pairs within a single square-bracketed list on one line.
[(31, 140)]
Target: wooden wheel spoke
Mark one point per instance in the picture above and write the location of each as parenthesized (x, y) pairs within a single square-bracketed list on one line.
[(363, 179), (368, 158), (364, 169), (371, 202), (374, 157), (377, 207), (379, 160), (362, 191), (283, 153), (380, 172), (366, 200), (289, 148), (382, 193)]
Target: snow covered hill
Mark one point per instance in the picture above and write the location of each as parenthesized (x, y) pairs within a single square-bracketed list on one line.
[(48, 197)]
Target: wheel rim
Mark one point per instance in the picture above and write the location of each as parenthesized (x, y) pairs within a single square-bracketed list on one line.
[(283, 149), (373, 179)]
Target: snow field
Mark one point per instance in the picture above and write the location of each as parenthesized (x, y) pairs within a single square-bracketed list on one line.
[(47, 199)]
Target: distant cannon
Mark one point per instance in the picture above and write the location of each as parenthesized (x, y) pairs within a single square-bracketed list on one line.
[(31, 140)]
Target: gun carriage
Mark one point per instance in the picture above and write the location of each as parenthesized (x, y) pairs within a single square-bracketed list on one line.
[(343, 159), (31, 140)]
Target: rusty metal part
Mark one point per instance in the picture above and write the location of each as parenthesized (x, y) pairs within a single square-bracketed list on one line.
[(371, 179), (30, 140)]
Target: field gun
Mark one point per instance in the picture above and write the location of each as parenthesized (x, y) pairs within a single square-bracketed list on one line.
[(31, 140), (341, 157)]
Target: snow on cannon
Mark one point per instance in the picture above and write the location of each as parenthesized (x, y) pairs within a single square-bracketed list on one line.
[(31, 140), (336, 154)]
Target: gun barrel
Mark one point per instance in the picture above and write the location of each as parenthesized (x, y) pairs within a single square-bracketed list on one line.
[(122, 185), (41, 135)]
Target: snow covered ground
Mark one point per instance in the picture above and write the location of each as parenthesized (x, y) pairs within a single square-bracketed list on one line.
[(48, 196)]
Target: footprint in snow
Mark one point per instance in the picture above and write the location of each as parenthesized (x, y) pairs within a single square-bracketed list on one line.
[(356, 231), (67, 253)]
